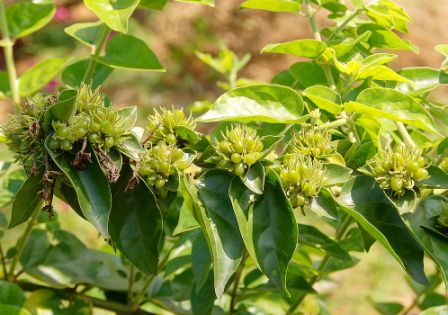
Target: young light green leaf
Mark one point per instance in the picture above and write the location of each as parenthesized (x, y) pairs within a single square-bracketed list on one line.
[(25, 17), (135, 223), (128, 52), (434, 245), (36, 77), (13, 310), (335, 174), (27, 201), (264, 103), (113, 13), (11, 294), (423, 80), (152, 4), (309, 48), (325, 98), (392, 104), (273, 5), (73, 75), (91, 186), (383, 38), (255, 177), (365, 201), (381, 73), (86, 33)]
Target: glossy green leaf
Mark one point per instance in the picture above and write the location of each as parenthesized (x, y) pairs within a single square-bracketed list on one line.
[(264, 103), (114, 14), (25, 17), (438, 310), (86, 33), (324, 98), (392, 104), (308, 74), (38, 76), (152, 4), (210, 3), (388, 308), (273, 5), (201, 261), (437, 179), (27, 201), (388, 14), (11, 294), (423, 80), (381, 73), (365, 201), (135, 223), (73, 75), (202, 300), (442, 148), (129, 52), (335, 174), (128, 116), (347, 46), (434, 245), (186, 221), (308, 48), (65, 109), (214, 213), (131, 147), (92, 189), (255, 177), (384, 38), (36, 249)]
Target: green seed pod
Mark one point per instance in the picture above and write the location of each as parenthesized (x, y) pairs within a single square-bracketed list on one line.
[(236, 158), (420, 174), (171, 138), (396, 184), (311, 141), (95, 138), (109, 142), (66, 145), (54, 143), (238, 169)]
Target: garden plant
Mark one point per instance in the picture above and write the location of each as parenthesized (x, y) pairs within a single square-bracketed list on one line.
[(338, 152)]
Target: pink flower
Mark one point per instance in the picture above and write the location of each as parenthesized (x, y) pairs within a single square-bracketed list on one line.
[(62, 14)]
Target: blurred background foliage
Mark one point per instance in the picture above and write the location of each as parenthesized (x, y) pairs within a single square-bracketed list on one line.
[(175, 35)]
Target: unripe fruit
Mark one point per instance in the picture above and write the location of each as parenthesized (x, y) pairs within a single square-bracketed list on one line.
[(236, 158), (421, 161), (225, 147), (54, 144), (171, 138), (106, 127), (145, 170), (66, 145), (109, 142), (238, 146), (95, 127), (238, 169), (165, 168), (177, 155), (259, 147), (420, 174), (160, 183), (396, 184), (62, 132), (251, 158), (412, 166), (300, 201), (94, 138), (80, 132)]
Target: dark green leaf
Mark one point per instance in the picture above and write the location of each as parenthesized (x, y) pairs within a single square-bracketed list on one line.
[(365, 201), (13, 310), (129, 52), (11, 294), (201, 261), (87, 33), (36, 249), (388, 308), (437, 178), (27, 201), (73, 75), (65, 109), (384, 38), (202, 300), (92, 189), (152, 4)]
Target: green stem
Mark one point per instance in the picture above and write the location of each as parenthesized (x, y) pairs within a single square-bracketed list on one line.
[(104, 32), (344, 24), (319, 274), (316, 34), (333, 124), (21, 243), (131, 283), (3, 260), (236, 282), (404, 133), (8, 44)]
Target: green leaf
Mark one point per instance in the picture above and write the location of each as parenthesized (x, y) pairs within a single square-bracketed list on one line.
[(264, 103), (381, 73), (437, 179), (131, 147), (86, 33), (435, 245), (5, 89), (152, 4), (65, 109), (384, 38), (36, 249), (201, 261), (365, 201), (324, 98), (24, 18), (442, 147), (202, 300), (438, 310), (114, 14), (38, 76), (308, 74), (27, 201), (50, 301), (186, 221), (128, 116), (308, 48), (388, 308), (268, 226), (91, 186), (210, 3), (129, 52), (11, 294), (135, 223), (392, 104), (273, 5), (73, 75), (13, 310), (312, 236), (423, 80), (220, 226), (335, 174), (347, 46), (254, 178)]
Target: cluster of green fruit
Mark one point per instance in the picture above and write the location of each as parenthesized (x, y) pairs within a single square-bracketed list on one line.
[(164, 124), (302, 178), (24, 135), (239, 148), (103, 127), (397, 170), (312, 142)]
